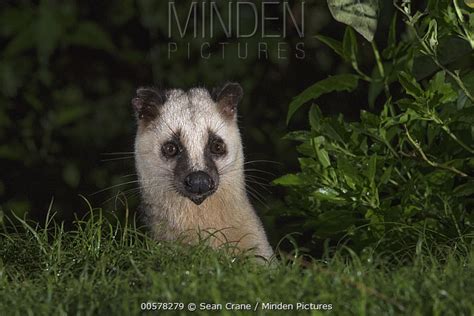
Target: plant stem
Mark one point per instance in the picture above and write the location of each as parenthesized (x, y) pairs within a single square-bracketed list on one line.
[(425, 158), (455, 76), (445, 128), (456, 139), (380, 67), (362, 75)]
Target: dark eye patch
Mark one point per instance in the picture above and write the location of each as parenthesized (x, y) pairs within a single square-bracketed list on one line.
[(172, 147), (216, 145)]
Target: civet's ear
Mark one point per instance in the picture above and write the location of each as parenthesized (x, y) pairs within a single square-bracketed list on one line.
[(227, 98), (147, 103)]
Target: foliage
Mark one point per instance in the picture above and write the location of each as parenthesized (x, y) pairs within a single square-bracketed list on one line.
[(103, 267), (406, 168), (361, 15)]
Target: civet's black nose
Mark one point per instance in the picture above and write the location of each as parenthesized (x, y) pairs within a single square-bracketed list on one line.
[(198, 183)]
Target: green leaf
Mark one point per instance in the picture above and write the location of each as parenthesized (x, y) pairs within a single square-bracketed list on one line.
[(431, 36), (439, 86), (306, 163), (386, 175), (321, 153), (48, 31), (360, 14), (333, 221), (299, 136), (323, 157), (345, 82), (466, 189), (332, 43), (348, 171), (372, 168), (315, 117), (306, 149), (328, 194), (411, 86), (288, 180), (369, 119), (451, 49), (439, 177), (389, 51), (349, 46)]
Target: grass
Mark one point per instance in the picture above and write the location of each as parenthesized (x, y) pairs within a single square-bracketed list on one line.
[(101, 268)]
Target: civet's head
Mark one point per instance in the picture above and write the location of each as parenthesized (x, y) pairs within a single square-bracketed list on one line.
[(188, 142)]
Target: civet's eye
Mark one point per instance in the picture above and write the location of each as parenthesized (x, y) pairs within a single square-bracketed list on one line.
[(218, 147), (170, 149)]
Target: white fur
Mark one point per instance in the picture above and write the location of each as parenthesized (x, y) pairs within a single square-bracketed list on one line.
[(171, 215)]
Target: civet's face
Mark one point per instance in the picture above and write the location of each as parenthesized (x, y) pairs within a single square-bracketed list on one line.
[(187, 142)]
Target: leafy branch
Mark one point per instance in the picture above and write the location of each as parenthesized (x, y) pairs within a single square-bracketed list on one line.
[(417, 146), (430, 42)]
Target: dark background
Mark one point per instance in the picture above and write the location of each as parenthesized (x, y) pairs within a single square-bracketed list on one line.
[(68, 70)]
